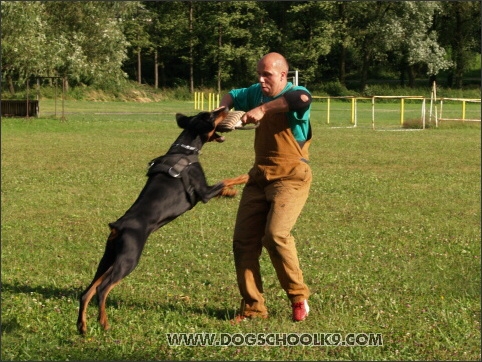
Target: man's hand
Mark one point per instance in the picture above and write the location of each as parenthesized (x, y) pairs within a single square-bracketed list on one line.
[(278, 105), (253, 116)]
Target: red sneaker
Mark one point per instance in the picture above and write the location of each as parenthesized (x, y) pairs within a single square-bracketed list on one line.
[(300, 310)]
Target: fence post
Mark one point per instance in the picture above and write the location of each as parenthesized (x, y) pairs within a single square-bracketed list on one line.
[(63, 98), (373, 112), (328, 111), (402, 109), (353, 110), (423, 113)]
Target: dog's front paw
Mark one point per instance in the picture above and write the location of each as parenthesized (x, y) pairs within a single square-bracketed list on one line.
[(228, 191)]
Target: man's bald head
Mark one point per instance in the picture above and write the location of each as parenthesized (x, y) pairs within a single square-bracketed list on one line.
[(276, 60), (272, 73)]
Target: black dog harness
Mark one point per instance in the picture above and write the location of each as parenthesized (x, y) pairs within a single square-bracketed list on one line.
[(175, 165)]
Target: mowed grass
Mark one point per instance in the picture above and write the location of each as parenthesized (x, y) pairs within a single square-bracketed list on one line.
[(389, 242)]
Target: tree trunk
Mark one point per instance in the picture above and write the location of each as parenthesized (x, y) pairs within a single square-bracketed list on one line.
[(220, 43), (458, 47), (191, 50), (342, 64), (411, 76), (65, 84), (139, 70), (364, 71), (342, 61), (402, 75), (163, 74), (156, 71), (10, 85)]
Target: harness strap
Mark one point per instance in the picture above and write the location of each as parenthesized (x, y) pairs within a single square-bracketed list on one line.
[(177, 170)]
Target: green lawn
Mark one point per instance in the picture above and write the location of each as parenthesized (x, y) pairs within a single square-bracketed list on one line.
[(389, 241)]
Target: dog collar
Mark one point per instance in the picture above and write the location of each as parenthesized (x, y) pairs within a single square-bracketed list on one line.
[(187, 147)]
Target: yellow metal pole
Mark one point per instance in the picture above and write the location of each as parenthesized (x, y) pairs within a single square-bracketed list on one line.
[(218, 101), (463, 110), (402, 109), (356, 115), (328, 111), (373, 112), (353, 110)]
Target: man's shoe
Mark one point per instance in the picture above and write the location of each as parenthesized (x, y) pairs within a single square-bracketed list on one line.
[(300, 310)]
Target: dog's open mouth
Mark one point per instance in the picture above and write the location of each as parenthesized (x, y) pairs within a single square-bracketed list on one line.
[(220, 114)]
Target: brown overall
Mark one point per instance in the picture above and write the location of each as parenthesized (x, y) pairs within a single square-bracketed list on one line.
[(272, 200)]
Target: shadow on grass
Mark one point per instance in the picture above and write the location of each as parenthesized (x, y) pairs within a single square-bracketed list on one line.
[(115, 302), (48, 292)]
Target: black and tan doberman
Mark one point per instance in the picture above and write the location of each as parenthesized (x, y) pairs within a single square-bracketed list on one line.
[(176, 182)]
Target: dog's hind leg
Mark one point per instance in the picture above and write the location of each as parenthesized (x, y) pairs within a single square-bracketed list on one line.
[(85, 300), (113, 277), (102, 270), (129, 249)]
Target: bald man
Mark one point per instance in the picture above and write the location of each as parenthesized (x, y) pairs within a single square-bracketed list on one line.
[(277, 189)]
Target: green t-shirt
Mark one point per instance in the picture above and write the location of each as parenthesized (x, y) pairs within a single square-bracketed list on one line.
[(246, 99)]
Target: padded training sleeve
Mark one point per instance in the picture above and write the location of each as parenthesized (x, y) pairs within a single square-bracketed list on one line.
[(297, 99)]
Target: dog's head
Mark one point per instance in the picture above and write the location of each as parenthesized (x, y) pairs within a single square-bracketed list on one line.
[(203, 124)]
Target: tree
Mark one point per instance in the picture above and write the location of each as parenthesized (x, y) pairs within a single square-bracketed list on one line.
[(24, 42), (408, 34), (218, 43), (136, 30), (79, 40), (459, 27), (168, 31), (310, 32), (92, 44), (231, 40)]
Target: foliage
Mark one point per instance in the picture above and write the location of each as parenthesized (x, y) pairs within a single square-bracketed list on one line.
[(410, 33), (82, 41), (459, 27), (217, 43), (23, 39)]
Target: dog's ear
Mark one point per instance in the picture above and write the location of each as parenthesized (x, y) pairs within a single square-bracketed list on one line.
[(182, 120), (201, 123), (204, 123)]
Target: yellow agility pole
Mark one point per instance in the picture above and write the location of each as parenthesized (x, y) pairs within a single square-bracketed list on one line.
[(328, 111), (402, 110), (373, 112), (353, 110)]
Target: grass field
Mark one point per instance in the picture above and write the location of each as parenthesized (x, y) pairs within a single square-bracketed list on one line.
[(389, 241)]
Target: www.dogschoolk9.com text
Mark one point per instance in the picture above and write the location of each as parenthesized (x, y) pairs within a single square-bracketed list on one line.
[(275, 339)]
